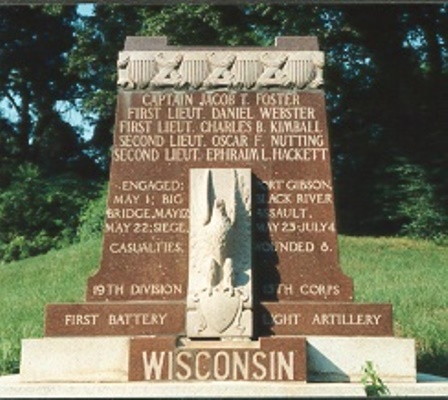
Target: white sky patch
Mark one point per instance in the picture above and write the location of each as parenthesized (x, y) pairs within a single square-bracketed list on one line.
[(71, 115), (7, 111), (86, 9)]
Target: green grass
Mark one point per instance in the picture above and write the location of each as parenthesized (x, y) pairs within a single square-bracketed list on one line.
[(410, 274), (413, 276), (28, 285)]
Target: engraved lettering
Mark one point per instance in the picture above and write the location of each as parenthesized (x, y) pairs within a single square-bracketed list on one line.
[(346, 319), (219, 365), (81, 319)]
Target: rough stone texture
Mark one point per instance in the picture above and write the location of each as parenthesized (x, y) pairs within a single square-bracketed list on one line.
[(144, 43), (340, 359), (102, 359)]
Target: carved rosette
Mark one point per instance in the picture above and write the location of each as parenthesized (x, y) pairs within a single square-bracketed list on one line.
[(220, 69)]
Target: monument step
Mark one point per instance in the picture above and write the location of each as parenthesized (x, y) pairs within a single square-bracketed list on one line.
[(11, 386), (80, 359), (340, 359), (110, 359), (168, 318)]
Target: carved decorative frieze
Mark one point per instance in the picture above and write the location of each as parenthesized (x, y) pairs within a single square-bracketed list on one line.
[(220, 69), (194, 70), (168, 74), (273, 73)]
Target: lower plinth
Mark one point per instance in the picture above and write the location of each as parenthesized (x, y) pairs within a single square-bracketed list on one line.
[(12, 387), (110, 359)]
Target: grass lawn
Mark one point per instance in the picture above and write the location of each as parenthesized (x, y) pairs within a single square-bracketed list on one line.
[(413, 276), (410, 274), (28, 285)]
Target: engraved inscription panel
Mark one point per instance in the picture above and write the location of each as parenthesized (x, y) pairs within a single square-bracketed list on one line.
[(281, 136), (341, 319), (115, 318), (268, 359)]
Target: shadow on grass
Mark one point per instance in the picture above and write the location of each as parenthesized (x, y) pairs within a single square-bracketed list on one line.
[(9, 361), (434, 363)]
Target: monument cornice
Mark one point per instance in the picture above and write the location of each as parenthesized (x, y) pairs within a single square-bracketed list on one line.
[(294, 63)]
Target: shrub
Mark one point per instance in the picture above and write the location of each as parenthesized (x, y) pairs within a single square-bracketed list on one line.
[(39, 213), (411, 200), (92, 217)]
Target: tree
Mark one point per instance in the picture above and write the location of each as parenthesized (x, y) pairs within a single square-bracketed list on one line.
[(39, 213), (34, 81), (43, 163), (101, 36), (93, 58), (386, 84), (395, 113)]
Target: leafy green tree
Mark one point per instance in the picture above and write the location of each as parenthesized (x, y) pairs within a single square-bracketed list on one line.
[(38, 213), (101, 36), (389, 108), (42, 157), (34, 82), (92, 217), (410, 203), (386, 87)]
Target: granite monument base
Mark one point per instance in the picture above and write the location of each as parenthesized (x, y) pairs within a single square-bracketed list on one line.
[(427, 386), (110, 359)]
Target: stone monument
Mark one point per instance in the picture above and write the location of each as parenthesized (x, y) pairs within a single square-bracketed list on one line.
[(220, 255)]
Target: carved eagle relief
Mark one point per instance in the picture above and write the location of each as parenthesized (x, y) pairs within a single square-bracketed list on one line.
[(220, 229), (220, 243)]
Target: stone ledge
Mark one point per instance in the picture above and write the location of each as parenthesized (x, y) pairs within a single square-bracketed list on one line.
[(87, 359), (106, 359), (11, 387), (151, 43), (340, 359)]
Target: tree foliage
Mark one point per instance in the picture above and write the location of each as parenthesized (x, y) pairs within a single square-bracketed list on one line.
[(43, 161), (386, 88), (397, 114), (33, 80), (92, 217), (38, 213)]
